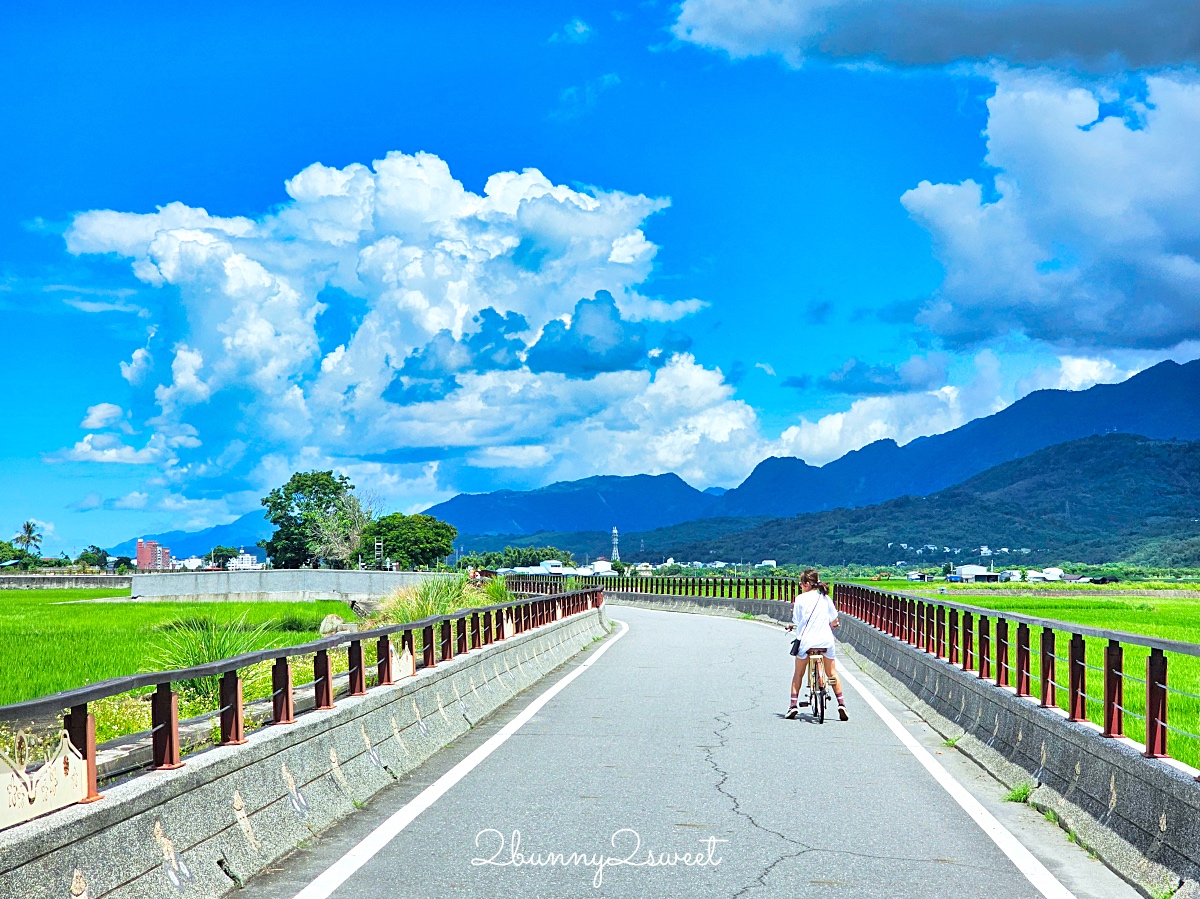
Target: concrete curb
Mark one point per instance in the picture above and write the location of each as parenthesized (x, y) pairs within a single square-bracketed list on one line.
[(204, 829)]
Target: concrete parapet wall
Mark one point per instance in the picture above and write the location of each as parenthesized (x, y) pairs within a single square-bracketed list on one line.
[(774, 609), (275, 585), (1141, 816), (202, 830), (118, 583)]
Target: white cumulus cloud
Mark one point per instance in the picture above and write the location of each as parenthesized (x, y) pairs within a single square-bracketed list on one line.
[(102, 415), (1095, 34), (1091, 239)]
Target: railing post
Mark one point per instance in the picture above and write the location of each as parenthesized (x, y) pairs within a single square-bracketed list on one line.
[(283, 705), (462, 635), (952, 658), (476, 631), (930, 630), (383, 654), (322, 680), (1156, 705), (968, 640), (428, 647), (233, 725), (164, 722), (1077, 679), (920, 624), (1114, 693), (81, 730), (358, 675), (1002, 652), (447, 639), (1049, 685), (940, 645), (1024, 678), (985, 648), (487, 628)]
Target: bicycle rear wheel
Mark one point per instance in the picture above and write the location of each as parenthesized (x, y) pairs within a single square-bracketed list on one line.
[(816, 691)]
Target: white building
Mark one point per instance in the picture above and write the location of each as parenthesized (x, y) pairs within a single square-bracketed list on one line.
[(245, 562), (766, 563), (192, 563)]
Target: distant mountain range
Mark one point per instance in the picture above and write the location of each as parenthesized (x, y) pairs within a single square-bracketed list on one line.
[(244, 532), (1110, 498), (1162, 402)]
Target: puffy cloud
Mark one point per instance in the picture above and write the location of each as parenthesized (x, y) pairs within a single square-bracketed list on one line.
[(449, 288), (1075, 373), (902, 417), (110, 448), (133, 500), (1091, 238), (134, 371), (186, 387), (102, 415), (1097, 34), (916, 374), (596, 339)]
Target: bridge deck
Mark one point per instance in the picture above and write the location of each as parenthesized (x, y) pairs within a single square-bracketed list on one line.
[(675, 732)]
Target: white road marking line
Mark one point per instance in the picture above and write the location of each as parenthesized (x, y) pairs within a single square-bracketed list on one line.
[(1035, 872), (341, 870)]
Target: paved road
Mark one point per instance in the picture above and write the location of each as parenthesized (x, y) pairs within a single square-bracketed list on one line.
[(675, 734)]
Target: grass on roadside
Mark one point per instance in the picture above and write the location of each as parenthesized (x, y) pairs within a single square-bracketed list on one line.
[(1019, 793)]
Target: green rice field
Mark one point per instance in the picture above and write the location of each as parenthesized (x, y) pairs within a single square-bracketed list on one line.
[(48, 645), (1165, 616)]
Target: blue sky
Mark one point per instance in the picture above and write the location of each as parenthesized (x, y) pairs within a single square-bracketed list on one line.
[(754, 228)]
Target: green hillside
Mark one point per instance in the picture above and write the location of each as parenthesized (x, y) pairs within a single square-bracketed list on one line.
[(1112, 498)]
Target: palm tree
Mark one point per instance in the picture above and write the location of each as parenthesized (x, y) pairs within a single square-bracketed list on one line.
[(29, 538)]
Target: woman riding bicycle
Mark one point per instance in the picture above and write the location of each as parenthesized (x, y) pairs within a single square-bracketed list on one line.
[(813, 620)]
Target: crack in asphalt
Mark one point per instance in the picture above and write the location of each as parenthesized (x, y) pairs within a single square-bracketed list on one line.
[(724, 724)]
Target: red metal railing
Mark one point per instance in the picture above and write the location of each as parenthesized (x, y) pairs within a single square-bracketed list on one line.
[(461, 632), (778, 588), (910, 619)]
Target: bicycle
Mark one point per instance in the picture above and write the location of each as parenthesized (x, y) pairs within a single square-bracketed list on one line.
[(816, 683)]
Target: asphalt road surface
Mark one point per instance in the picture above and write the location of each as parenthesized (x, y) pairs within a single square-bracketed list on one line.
[(671, 746)]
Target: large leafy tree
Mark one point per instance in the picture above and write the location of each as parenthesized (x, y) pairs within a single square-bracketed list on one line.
[(294, 507), (29, 538), (221, 554), (415, 541), (94, 556)]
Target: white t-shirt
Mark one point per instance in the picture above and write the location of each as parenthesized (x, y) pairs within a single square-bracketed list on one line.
[(812, 615)]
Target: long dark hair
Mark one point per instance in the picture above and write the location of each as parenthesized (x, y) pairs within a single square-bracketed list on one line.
[(811, 578)]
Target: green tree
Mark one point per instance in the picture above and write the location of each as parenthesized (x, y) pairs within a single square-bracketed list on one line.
[(220, 555), (93, 556), (518, 557), (29, 538), (336, 534), (24, 561), (292, 509), (415, 541)]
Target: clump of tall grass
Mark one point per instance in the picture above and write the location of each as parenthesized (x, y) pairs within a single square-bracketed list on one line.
[(197, 641), (440, 596)]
